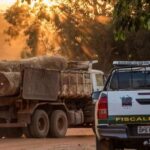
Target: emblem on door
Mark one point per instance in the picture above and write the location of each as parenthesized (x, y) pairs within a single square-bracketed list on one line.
[(126, 101)]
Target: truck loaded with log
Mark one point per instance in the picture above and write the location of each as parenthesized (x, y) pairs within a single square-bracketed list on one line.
[(43, 96)]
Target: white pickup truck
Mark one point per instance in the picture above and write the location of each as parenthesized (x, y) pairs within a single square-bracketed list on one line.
[(122, 114)]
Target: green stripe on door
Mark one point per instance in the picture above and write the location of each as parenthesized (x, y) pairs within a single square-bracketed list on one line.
[(126, 119)]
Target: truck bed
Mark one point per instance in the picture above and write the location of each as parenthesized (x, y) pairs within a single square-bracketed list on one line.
[(43, 84)]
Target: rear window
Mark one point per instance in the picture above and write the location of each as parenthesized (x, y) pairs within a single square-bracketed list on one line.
[(147, 79), (130, 80), (138, 79)]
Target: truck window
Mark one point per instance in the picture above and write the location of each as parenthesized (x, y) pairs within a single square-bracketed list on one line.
[(99, 80)]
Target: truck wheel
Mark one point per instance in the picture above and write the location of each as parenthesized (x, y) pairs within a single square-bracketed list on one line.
[(59, 124), (39, 126), (103, 144), (89, 110)]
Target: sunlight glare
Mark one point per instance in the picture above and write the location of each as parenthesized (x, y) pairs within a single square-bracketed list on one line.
[(6, 3), (50, 3)]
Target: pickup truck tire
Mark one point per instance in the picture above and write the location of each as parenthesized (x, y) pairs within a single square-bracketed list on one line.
[(103, 144), (59, 124), (39, 126)]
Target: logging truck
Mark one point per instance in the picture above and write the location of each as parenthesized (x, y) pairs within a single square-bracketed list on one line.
[(42, 97)]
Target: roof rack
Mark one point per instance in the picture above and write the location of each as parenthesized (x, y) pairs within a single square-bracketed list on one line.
[(131, 63)]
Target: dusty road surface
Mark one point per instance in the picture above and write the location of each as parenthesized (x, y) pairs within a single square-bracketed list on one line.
[(76, 139)]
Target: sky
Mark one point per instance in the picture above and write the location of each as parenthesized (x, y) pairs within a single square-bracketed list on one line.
[(6, 3)]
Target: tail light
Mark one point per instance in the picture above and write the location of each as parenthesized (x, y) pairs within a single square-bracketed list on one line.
[(102, 112)]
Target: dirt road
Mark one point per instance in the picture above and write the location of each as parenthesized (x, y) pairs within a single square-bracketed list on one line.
[(76, 139)]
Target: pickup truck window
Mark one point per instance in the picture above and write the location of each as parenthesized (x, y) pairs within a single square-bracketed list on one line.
[(124, 80), (138, 79), (147, 79), (121, 80)]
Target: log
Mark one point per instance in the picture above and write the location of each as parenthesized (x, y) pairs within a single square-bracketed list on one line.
[(10, 71), (46, 62), (9, 83)]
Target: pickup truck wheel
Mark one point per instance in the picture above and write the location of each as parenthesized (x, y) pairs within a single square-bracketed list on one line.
[(39, 126), (103, 144), (59, 124)]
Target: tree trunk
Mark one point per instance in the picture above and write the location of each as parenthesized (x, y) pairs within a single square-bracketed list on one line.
[(10, 71)]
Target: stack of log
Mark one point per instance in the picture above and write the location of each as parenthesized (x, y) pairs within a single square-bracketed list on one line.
[(10, 71), (46, 62)]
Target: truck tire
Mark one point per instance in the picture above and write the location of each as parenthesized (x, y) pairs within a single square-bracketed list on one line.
[(59, 124), (39, 126), (88, 112)]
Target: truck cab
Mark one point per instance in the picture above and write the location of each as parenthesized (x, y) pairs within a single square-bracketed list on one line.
[(97, 78), (122, 114)]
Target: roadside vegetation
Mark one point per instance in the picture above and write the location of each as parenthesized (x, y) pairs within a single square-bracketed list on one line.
[(83, 29)]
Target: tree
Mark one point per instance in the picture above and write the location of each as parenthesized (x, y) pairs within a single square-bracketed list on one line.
[(131, 15), (57, 26)]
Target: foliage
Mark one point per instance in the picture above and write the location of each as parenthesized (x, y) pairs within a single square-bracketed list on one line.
[(57, 26), (131, 15)]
